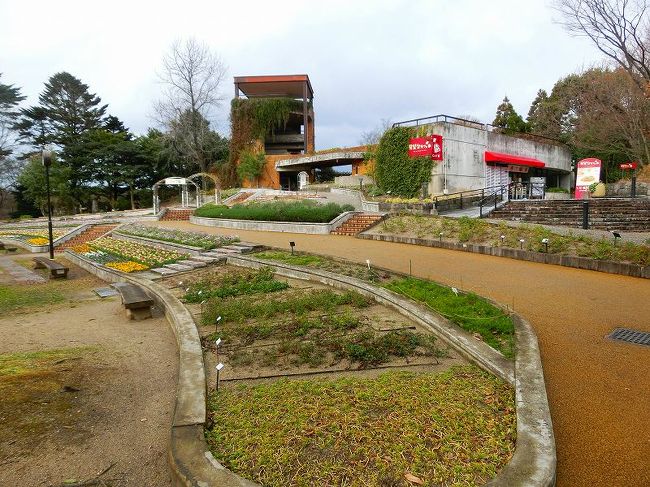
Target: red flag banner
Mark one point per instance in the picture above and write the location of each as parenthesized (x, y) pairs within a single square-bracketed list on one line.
[(436, 141), (420, 147)]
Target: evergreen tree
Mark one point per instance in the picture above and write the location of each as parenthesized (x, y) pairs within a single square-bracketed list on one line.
[(508, 119), (65, 113), (10, 97)]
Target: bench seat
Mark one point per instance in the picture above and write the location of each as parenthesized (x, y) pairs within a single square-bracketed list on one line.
[(136, 302), (56, 269)]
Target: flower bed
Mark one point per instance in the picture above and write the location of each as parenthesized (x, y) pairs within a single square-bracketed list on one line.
[(193, 239), (32, 235), (126, 256)]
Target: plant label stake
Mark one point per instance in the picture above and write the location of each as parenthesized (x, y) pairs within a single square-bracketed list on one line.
[(216, 347), (292, 245), (368, 263), (216, 323), (219, 367)]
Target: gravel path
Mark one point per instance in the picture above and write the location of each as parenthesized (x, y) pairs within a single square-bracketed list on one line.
[(598, 389), (120, 412)]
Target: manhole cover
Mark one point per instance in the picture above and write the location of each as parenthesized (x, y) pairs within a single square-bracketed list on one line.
[(631, 336)]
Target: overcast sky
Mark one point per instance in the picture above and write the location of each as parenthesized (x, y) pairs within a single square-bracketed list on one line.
[(367, 60)]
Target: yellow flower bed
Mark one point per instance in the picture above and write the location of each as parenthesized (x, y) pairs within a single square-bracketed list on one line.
[(81, 248), (128, 266), (38, 241)]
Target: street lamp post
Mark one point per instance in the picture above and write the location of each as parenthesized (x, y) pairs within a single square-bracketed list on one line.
[(47, 162)]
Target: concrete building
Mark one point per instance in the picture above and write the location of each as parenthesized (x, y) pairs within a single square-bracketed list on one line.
[(477, 156)]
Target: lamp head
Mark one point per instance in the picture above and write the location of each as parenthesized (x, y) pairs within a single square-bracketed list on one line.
[(47, 158)]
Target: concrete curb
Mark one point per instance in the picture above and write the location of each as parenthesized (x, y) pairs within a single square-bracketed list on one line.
[(192, 464), (190, 461), (621, 268), (534, 460)]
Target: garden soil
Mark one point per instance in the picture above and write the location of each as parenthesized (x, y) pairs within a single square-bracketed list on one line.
[(598, 389), (103, 417)]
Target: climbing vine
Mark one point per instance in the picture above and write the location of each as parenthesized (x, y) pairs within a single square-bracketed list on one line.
[(395, 171), (252, 120)]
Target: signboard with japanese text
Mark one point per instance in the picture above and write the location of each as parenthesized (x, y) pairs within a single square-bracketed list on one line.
[(515, 168), (629, 166), (430, 145), (175, 180), (587, 174), (420, 147)]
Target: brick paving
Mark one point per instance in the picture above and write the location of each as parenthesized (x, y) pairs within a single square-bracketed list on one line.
[(598, 389)]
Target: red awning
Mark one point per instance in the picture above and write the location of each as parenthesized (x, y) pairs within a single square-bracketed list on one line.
[(494, 157)]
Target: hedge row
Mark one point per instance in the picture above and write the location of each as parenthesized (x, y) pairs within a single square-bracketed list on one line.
[(281, 211)]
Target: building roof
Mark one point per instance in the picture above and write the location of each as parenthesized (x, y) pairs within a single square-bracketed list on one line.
[(274, 85)]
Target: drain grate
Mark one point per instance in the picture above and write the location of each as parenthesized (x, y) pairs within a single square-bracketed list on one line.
[(631, 336)]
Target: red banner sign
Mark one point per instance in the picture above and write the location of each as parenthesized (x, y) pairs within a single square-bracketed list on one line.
[(436, 140), (426, 146), (420, 147), (629, 166)]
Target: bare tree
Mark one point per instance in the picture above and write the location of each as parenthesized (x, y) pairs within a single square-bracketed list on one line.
[(193, 76), (618, 28), (372, 137)]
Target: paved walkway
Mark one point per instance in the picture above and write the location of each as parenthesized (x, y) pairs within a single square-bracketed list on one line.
[(599, 390), (14, 273)]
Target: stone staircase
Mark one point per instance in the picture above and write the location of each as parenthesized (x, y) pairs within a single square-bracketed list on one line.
[(177, 214), (214, 256), (87, 235), (626, 214), (358, 223)]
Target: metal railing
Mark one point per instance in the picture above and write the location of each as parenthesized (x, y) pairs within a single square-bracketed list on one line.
[(463, 199)]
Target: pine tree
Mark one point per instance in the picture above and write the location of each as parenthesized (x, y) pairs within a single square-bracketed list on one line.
[(10, 97), (508, 119)]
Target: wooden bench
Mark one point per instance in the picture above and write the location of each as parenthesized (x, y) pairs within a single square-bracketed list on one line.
[(6, 248), (135, 300), (56, 270)]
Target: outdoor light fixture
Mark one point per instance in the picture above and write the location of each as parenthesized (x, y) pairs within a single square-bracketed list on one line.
[(616, 236), (503, 237), (292, 245), (219, 367), (545, 242), (47, 162), (521, 243), (368, 263)]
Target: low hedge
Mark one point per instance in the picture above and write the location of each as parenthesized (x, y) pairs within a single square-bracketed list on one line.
[(280, 211)]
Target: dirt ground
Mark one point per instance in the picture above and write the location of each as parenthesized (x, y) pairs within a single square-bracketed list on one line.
[(598, 388), (103, 415)]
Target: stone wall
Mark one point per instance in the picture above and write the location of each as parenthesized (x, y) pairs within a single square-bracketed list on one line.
[(624, 189)]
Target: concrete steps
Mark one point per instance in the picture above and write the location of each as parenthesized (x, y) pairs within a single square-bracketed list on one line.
[(357, 224), (88, 235), (610, 214)]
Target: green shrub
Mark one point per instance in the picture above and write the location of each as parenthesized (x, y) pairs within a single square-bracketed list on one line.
[(284, 211), (556, 190)]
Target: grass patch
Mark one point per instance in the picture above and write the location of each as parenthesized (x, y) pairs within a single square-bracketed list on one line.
[(292, 259), (467, 310), (283, 211), (17, 365), (474, 230), (17, 297), (453, 428), (234, 283)]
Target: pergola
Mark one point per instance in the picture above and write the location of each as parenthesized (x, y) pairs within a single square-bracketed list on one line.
[(184, 183)]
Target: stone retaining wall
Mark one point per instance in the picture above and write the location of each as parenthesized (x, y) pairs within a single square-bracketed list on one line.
[(622, 268)]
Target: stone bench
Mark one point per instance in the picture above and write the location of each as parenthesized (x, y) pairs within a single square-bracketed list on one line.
[(56, 270), (6, 248), (136, 302)]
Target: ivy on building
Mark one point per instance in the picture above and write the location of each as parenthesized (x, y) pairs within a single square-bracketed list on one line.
[(395, 171), (250, 165), (254, 119)]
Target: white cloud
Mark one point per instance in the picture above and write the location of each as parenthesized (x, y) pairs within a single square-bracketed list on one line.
[(367, 60)]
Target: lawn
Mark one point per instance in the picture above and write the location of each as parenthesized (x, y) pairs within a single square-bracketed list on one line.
[(282, 211), (453, 428), (474, 230), (467, 310), (17, 297)]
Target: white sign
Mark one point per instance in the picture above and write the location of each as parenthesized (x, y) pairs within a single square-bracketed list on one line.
[(174, 180), (537, 186)]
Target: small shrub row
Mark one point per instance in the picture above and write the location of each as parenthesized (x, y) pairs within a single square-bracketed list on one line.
[(234, 284), (281, 211)]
